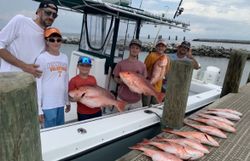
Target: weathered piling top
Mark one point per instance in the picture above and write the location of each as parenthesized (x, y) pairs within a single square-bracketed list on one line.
[(236, 147)]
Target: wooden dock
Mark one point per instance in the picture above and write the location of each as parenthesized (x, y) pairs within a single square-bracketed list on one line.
[(236, 147)]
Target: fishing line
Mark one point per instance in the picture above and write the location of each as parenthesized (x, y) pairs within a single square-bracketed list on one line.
[(150, 112)]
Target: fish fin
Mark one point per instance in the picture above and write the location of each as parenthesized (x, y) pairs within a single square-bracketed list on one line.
[(135, 147), (160, 97), (145, 141), (121, 105), (186, 122), (158, 139), (168, 130)]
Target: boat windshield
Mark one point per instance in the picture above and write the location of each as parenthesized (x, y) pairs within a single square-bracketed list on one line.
[(98, 34)]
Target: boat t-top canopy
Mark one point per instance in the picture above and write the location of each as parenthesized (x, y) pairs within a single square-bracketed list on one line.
[(99, 7)]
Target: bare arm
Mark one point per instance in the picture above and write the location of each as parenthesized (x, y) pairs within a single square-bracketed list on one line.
[(117, 80), (29, 68), (194, 61)]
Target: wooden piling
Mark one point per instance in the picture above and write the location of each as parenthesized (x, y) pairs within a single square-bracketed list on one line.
[(178, 84), (234, 72), (20, 133)]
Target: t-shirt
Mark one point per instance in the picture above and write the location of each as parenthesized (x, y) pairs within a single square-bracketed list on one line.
[(175, 57), (52, 86), (150, 61), (24, 39), (77, 82), (136, 66)]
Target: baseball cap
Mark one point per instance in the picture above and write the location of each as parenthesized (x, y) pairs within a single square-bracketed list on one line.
[(51, 30), (136, 42), (161, 41), (186, 44), (84, 60), (48, 4)]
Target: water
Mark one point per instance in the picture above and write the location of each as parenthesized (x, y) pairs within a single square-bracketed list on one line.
[(221, 63)]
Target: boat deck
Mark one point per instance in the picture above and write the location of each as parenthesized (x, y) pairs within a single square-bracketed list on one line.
[(236, 147)]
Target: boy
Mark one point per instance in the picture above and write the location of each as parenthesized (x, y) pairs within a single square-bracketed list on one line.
[(52, 86), (131, 64), (84, 79)]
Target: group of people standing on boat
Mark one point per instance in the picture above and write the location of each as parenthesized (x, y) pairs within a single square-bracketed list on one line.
[(146, 69), (33, 46)]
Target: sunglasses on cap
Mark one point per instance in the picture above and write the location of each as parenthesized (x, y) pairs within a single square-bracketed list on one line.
[(84, 61), (54, 40), (49, 13)]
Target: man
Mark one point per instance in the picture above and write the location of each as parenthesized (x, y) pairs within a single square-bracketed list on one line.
[(131, 64), (184, 52), (150, 61), (21, 40)]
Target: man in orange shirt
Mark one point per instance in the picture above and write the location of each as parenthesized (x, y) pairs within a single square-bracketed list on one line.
[(150, 60)]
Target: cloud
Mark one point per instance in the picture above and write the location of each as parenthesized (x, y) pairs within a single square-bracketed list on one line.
[(228, 10), (208, 18)]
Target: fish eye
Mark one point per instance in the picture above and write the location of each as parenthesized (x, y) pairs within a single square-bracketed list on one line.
[(83, 95)]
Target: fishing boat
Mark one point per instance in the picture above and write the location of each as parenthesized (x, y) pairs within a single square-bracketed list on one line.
[(106, 30)]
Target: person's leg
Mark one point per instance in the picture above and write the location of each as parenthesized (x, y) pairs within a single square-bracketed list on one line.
[(135, 105), (145, 100), (60, 116), (153, 101), (50, 117)]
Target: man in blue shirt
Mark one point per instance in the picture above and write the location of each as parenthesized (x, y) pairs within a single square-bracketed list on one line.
[(184, 52)]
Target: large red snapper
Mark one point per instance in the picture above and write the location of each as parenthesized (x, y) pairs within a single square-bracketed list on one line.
[(199, 136), (215, 123), (138, 84), (156, 155), (183, 152), (208, 129), (159, 69), (224, 114), (222, 119), (95, 96), (227, 110), (186, 142)]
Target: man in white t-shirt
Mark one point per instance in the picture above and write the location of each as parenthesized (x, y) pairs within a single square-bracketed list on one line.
[(21, 40)]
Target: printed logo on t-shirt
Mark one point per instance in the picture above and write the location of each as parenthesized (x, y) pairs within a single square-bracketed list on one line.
[(57, 67)]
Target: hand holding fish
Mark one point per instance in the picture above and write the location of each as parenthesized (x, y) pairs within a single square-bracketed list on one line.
[(138, 84), (67, 109), (41, 119), (118, 80), (159, 69), (95, 96)]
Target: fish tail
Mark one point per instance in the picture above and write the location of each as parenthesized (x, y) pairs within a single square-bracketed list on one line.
[(160, 97), (120, 105)]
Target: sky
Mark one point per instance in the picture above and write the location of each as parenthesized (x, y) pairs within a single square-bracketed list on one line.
[(221, 19)]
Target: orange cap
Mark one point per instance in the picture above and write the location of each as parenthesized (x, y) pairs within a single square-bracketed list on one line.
[(51, 30)]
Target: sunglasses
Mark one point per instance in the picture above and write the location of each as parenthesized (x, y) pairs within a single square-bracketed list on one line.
[(84, 61), (49, 13), (55, 40)]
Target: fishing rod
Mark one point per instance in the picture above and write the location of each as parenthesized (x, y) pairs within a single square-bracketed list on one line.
[(178, 10)]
